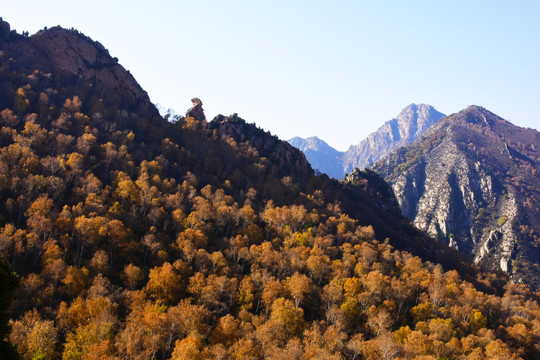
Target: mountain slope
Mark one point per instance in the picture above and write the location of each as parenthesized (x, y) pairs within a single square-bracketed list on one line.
[(139, 238), (320, 155), (411, 122), (473, 180), (80, 61)]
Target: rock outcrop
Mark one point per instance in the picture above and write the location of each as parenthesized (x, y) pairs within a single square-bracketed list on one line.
[(196, 111), (472, 181)]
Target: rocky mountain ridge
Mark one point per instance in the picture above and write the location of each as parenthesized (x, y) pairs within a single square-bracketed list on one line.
[(411, 122), (80, 60), (283, 159), (472, 180)]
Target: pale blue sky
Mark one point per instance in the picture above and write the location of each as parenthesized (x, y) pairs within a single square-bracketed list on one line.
[(334, 69)]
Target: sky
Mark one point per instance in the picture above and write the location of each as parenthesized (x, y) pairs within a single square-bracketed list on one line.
[(332, 69)]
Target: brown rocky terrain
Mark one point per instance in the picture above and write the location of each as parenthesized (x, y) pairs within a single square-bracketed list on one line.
[(80, 60)]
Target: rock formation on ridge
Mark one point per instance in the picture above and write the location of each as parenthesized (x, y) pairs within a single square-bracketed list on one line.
[(196, 111)]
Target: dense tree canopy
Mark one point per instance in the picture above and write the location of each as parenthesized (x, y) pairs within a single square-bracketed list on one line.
[(8, 285)]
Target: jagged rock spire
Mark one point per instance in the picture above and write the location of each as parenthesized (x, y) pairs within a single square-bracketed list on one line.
[(196, 111)]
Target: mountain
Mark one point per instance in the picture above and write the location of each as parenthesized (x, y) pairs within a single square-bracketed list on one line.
[(411, 122), (139, 237), (320, 155), (473, 181)]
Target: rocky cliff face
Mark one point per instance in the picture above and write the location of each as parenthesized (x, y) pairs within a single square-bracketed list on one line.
[(472, 180), (320, 155), (412, 122)]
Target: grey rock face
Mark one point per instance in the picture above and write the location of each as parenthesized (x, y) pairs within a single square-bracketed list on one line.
[(320, 155), (196, 111), (471, 181), (412, 122)]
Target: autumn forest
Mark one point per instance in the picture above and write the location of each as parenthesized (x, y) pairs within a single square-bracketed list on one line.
[(127, 235)]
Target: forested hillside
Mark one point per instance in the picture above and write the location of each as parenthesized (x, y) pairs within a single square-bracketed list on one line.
[(135, 237)]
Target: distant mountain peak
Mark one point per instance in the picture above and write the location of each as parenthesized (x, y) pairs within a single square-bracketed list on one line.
[(320, 155), (313, 143), (412, 122), (479, 117), (410, 107), (475, 108)]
